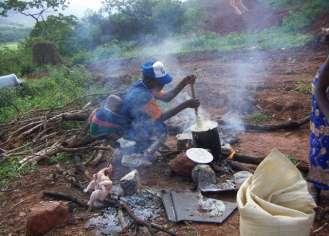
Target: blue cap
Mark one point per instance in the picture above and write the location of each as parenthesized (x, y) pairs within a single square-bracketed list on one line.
[(155, 70)]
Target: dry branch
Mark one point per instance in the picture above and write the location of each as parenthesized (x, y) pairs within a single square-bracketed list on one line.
[(320, 228), (98, 157), (44, 153), (64, 197), (291, 125), (81, 149)]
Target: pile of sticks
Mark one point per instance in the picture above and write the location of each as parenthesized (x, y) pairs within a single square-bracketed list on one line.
[(41, 134)]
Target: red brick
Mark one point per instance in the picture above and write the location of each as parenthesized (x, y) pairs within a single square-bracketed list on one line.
[(46, 216)]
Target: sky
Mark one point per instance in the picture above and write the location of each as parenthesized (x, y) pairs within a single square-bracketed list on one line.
[(78, 7)]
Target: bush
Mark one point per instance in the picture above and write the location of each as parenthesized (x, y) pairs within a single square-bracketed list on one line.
[(82, 57), (18, 61), (60, 87), (301, 14), (129, 20)]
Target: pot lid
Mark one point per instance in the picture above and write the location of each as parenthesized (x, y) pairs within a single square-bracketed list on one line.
[(199, 155)]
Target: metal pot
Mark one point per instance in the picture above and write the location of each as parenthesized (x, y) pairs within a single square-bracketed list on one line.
[(208, 139)]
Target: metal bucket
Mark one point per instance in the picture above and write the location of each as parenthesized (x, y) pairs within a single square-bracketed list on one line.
[(208, 139)]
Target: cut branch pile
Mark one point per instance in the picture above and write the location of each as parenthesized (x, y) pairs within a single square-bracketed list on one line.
[(41, 134)]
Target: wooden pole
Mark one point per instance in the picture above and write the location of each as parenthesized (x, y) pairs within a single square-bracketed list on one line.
[(194, 96)]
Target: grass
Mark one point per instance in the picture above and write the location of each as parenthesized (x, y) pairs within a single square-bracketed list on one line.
[(11, 45), (303, 87), (11, 169), (272, 38), (61, 86), (62, 158), (258, 118), (290, 34)]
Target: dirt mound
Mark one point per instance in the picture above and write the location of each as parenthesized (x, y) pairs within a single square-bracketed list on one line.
[(222, 18)]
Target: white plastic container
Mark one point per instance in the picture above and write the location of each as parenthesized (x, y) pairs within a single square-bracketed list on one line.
[(9, 81)]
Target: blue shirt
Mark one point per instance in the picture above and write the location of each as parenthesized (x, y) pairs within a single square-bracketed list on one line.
[(139, 103)]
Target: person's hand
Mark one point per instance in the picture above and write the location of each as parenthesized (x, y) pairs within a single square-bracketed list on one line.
[(190, 79), (192, 103)]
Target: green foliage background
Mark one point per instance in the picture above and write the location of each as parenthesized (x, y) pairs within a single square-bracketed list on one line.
[(131, 28)]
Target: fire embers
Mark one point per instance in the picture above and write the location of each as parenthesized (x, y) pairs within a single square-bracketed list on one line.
[(101, 185)]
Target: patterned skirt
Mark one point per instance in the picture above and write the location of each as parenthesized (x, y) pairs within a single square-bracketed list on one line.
[(319, 160)]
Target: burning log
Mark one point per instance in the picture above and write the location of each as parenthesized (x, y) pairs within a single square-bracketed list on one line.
[(241, 158), (248, 159), (242, 166)]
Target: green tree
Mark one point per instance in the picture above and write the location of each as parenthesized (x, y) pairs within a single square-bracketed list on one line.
[(32, 8), (59, 29), (130, 18)]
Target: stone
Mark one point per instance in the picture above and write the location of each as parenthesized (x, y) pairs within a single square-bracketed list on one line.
[(45, 216), (182, 165), (130, 183), (203, 175), (22, 214), (134, 161)]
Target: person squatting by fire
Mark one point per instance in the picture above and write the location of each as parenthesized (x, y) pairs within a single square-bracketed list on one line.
[(137, 116)]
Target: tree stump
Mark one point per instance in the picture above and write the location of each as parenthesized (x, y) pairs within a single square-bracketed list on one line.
[(45, 53)]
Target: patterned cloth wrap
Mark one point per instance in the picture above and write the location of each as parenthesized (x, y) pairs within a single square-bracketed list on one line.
[(104, 123), (140, 106), (319, 144)]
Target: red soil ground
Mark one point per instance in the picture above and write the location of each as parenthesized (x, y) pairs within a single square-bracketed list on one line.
[(273, 91)]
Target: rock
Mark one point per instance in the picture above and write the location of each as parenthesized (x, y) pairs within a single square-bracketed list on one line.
[(46, 216), (203, 175), (181, 165), (134, 161), (22, 214), (130, 183)]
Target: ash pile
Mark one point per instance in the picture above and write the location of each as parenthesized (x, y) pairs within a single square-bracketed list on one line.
[(145, 204)]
